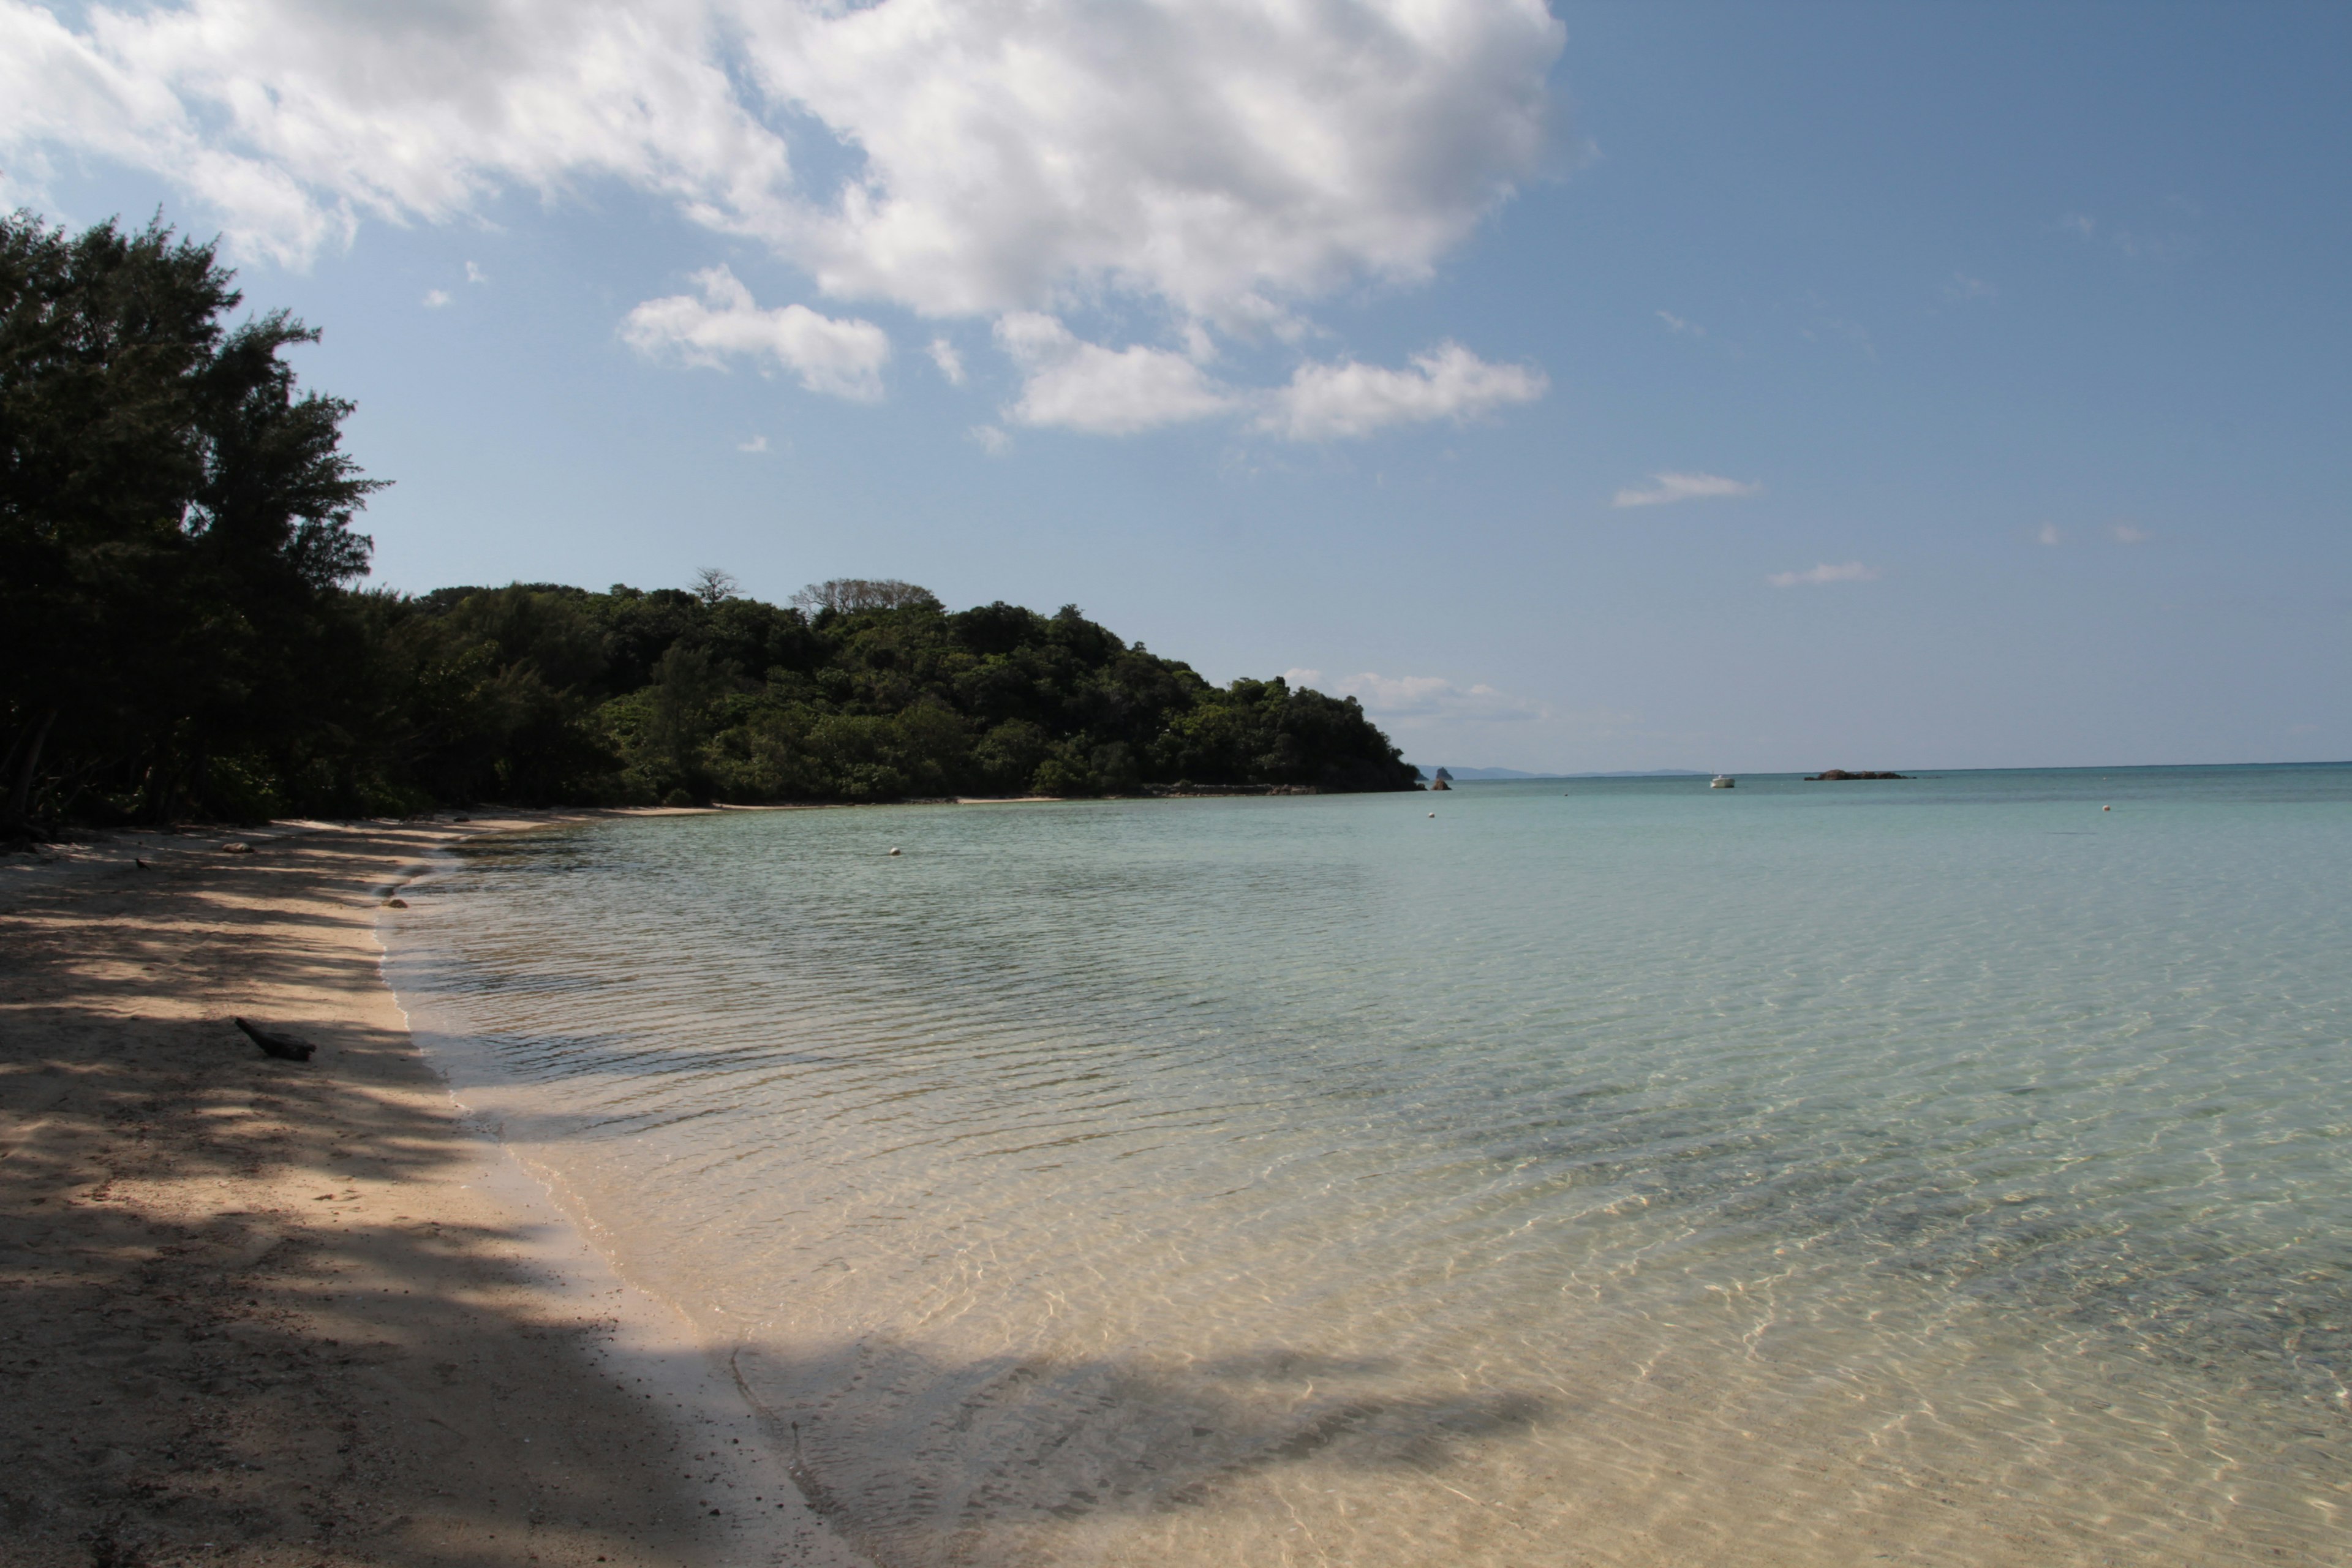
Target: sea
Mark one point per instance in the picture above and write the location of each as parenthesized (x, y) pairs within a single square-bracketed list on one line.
[(1954, 1170)]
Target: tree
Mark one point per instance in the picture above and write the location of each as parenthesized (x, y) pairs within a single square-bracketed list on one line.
[(175, 526), (715, 587)]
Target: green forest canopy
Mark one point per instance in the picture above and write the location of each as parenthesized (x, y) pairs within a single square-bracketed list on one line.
[(179, 631)]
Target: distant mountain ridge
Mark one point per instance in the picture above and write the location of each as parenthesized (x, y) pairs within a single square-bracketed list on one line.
[(1474, 774)]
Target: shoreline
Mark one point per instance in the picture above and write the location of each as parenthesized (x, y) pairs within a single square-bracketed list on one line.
[(313, 1314)]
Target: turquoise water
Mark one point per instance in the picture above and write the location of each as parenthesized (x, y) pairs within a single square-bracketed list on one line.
[(1947, 1171)]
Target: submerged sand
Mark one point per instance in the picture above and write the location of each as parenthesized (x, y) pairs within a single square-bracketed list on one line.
[(265, 1313)]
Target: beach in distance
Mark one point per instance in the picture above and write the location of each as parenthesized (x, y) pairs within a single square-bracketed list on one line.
[(1947, 1171)]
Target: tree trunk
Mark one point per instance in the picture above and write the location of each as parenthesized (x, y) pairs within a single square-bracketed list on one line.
[(20, 799)]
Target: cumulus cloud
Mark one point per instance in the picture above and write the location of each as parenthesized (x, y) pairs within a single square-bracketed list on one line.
[(1852, 572), (475, 274), (756, 444), (1220, 164), (1324, 402), (1667, 489), (1404, 699), (1227, 158), (1079, 385), (435, 298), (844, 358)]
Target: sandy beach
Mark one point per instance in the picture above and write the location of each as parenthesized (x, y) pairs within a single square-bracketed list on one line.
[(307, 1313)]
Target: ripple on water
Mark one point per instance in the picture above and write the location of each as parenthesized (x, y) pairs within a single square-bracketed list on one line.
[(1626, 1173)]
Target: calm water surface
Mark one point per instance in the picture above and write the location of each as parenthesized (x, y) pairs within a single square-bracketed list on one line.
[(1942, 1172)]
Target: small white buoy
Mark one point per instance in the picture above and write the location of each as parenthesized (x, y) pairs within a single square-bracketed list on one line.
[(1433, 816), (894, 851), (2106, 808)]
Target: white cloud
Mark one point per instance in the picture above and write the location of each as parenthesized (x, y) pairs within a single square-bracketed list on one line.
[(1079, 385), (841, 357), (1225, 159), (435, 298), (1964, 287), (1677, 325), (475, 274), (993, 441), (1349, 399), (2049, 535), (1408, 699), (756, 444), (951, 364), (1667, 488), (2124, 533), (1852, 572)]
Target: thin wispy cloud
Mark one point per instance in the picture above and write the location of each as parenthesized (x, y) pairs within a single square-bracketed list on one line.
[(2050, 535), (1851, 332), (1963, 288), (1667, 489), (2131, 242), (475, 274), (993, 441), (2124, 533), (435, 298), (1825, 574), (1410, 700), (756, 444), (943, 354), (1681, 327)]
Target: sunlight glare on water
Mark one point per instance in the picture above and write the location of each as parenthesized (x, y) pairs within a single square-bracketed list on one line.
[(1944, 1171)]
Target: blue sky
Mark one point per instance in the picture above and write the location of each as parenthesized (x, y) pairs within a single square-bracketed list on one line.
[(1752, 387)]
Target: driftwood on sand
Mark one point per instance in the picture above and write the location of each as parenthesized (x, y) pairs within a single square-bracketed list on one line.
[(284, 1046)]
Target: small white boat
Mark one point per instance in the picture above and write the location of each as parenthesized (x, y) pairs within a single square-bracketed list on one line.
[(1723, 781)]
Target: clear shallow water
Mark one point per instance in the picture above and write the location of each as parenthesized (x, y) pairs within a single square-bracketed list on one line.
[(1603, 1172)]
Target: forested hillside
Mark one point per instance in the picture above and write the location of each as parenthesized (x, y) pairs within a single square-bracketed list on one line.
[(181, 634)]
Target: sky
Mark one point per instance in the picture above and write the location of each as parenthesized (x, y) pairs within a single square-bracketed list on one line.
[(1584, 388)]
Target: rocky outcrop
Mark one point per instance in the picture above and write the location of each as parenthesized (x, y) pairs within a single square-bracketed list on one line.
[(1833, 775)]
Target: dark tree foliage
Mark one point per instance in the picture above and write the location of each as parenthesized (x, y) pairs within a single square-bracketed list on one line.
[(178, 634), (174, 530)]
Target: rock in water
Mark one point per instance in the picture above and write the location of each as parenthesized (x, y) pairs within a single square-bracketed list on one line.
[(284, 1046)]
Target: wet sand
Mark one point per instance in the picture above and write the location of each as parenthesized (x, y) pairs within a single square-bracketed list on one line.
[(276, 1314)]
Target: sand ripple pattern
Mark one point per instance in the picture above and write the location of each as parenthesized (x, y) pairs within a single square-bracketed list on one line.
[(1946, 1171)]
